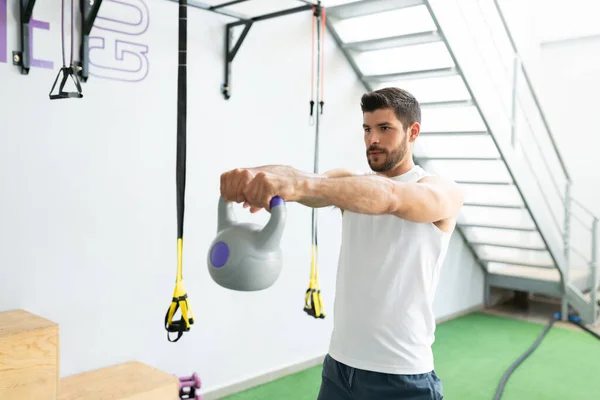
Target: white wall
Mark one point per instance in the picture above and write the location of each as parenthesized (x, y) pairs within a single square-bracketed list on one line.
[(570, 96), (88, 211)]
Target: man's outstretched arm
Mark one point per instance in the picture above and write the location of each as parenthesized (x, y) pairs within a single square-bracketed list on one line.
[(234, 182), (432, 199), (290, 172)]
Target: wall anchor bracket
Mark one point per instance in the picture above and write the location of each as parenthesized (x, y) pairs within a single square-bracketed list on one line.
[(22, 57), (89, 12), (231, 52)]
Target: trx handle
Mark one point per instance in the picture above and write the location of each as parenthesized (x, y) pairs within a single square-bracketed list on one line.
[(313, 303), (67, 71), (180, 298)]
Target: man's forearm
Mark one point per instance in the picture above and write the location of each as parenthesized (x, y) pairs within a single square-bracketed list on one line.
[(429, 200), (370, 194), (285, 170)]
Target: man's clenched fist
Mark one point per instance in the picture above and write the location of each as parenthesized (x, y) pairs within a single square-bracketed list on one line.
[(233, 184)]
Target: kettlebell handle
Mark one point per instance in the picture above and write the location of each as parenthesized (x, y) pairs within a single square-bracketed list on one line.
[(226, 218), (270, 236)]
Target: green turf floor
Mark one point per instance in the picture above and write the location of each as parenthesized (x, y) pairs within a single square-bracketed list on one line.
[(471, 355)]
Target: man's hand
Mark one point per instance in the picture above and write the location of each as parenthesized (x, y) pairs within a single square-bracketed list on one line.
[(233, 184), (256, 188), (259, 192)]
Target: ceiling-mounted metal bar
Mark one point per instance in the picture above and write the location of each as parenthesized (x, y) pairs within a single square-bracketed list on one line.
[(22, 57), (229, 3), (274, 14), (207, 7)]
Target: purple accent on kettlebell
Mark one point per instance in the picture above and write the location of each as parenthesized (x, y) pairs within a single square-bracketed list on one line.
[(219, 254), (276, 201)]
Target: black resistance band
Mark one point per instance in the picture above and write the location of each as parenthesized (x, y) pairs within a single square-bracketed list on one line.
[(180, 294)]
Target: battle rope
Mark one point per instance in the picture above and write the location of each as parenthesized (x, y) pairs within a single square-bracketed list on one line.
[(557, 316), (313, 303), (180, 295), (67, 71)]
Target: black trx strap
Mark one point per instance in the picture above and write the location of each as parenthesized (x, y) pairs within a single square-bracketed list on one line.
[(67, 71), (180, 297), (313, 303)]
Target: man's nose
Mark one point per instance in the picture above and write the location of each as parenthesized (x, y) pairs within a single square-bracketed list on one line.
[(372, 138)]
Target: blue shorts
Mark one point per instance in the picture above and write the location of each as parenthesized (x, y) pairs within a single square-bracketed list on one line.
[(341, 382)]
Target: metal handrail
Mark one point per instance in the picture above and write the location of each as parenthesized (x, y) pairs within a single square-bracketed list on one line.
[(531, 89)]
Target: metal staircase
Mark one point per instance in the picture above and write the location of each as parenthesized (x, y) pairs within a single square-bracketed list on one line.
[(483, 125)]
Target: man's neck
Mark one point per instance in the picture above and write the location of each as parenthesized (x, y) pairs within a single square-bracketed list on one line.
[(400, 169)]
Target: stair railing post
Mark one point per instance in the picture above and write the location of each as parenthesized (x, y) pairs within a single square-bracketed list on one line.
[(566, 242), (594, 270), (513, 130)]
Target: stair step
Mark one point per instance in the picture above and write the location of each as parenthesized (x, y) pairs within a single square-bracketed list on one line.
[(517, 262), (423, 74), (504, 227), (458, 158), (509, 246), (127, 381), (29, 356), (486, 183), (450, 103), (394, 41), (458, 133), (368, 7), (491, 205)]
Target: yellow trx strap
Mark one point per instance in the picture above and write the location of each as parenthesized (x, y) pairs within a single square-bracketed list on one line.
[(179, 300), (313, 303)]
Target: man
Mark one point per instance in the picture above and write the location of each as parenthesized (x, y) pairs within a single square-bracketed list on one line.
[(396, 226)]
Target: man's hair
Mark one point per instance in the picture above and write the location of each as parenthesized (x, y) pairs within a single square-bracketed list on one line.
[(405, 105)]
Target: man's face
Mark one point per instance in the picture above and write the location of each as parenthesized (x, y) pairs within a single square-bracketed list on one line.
[(386, 140)]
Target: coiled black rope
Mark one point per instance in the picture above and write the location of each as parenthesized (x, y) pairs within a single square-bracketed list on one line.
[(572, 318)]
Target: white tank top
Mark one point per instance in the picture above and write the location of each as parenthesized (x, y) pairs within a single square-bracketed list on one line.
[(386, 280)]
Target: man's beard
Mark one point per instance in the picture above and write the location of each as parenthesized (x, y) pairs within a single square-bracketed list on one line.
[(391, 159)]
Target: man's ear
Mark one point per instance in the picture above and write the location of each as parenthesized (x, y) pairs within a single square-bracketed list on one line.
[(413, 131)]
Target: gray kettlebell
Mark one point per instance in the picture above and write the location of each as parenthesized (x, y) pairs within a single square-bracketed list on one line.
[(246, 256)]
